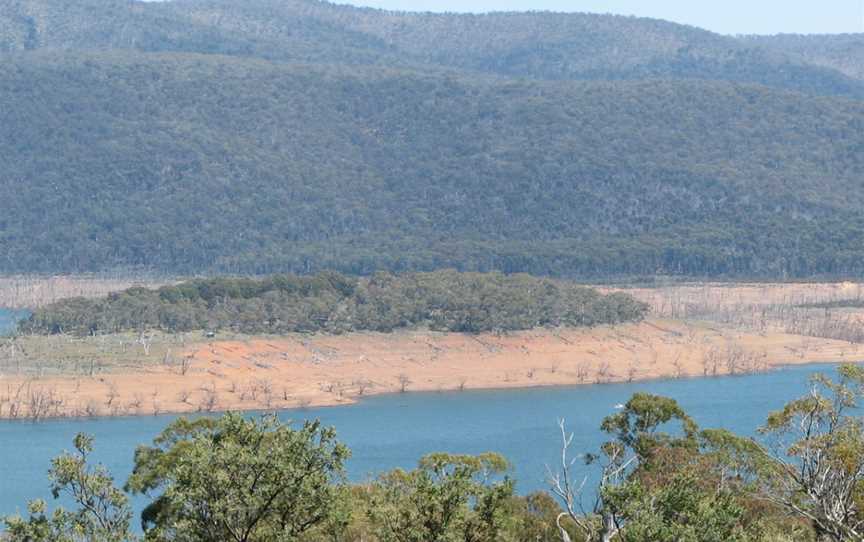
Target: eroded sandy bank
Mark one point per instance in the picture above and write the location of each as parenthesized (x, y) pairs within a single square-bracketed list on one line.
[(300, 371)]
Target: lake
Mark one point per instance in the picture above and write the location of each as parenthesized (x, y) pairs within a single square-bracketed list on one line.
[(395, 430), (9, 319)]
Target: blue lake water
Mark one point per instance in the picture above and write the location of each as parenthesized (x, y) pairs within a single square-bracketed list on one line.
[(9, 319), (394, 431)]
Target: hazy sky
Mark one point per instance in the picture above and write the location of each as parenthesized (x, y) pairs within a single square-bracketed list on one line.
[(724, 16)]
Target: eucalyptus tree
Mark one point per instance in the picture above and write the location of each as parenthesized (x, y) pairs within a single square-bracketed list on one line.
[(448, 498), (238, 479), (102, 512), (813, 464), (660, 478)]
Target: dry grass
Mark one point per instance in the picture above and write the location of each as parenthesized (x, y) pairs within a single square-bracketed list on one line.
[(27, 291), (63, 355)]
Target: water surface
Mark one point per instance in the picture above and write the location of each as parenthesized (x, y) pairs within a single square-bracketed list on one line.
[(394, 431), (9, 320)]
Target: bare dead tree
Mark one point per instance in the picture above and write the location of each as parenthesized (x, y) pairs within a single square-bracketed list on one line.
[(185, 363), (603, 373), (404, 382), (250, 392), (209, 400), (136, 402), (91, 409), (734, 355), (710, 361), (678, 365), (362, 386), (183, 396), (330, 387), (632, 369), (145, 341), (582, 371), (43, 403), (14, 409), (111, 394), (599, 524)]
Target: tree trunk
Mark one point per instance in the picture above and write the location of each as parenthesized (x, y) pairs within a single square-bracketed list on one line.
[(609, 528)]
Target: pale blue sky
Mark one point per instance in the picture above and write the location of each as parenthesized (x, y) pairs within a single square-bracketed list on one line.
[(724, 16)]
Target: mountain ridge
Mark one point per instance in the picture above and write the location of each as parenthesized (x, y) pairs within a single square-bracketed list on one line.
[(514, 44)]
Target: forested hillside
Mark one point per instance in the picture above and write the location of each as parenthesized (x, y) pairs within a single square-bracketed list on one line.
[(530, 45), (272, 136), (842, 52)]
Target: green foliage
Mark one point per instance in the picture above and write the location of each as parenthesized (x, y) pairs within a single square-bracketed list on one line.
[(823, 434), (234, 479), (536, 45), (103, 513), (682, 509), (178, 139), (448, 498), (328, 302), (636, 426), (663, 480)]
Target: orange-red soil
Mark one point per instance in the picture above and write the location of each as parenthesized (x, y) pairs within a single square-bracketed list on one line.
[(298, 370)]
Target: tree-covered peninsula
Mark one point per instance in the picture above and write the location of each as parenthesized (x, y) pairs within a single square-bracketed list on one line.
[(334, 303)]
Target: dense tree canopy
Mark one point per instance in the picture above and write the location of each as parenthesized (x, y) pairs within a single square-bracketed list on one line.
[(214, 136), (185, 163), (553, 46), (239, 480), (333, 303)]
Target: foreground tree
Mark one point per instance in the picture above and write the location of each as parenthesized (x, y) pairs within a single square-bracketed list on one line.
[(448, 498), (814, 465), (237, 479), (660, 479), (102, 514), (636, 438)]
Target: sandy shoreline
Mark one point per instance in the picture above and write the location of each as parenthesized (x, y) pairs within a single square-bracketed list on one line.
[(303, 371)]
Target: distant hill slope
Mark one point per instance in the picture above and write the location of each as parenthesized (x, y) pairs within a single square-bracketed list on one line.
[(295, 135), (189, 163), (841, 52), (27, 25), (529, 45)]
